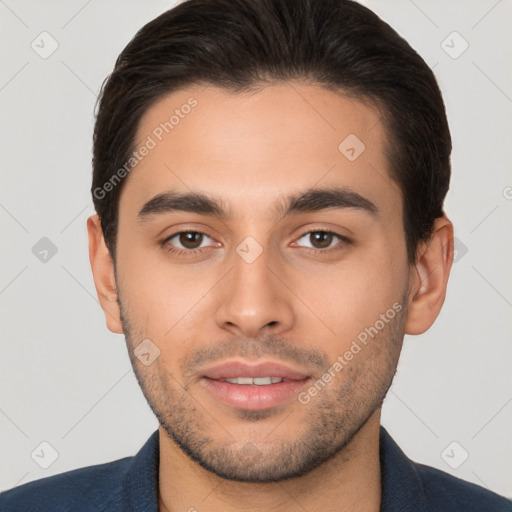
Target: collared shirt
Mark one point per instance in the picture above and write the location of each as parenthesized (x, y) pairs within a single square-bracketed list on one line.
[(131, 485)]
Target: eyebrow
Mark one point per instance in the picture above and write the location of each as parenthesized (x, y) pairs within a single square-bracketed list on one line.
[(311, 200)]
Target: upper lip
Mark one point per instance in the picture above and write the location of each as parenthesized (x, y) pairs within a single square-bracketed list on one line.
[(233, 369)]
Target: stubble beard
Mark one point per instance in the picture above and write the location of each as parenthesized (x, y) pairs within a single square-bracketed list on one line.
[(324, 427)]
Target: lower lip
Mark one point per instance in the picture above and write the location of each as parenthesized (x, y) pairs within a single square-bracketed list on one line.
[(253, 397)]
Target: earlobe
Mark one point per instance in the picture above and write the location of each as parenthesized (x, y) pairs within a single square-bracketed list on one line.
[(429, 278), (103, 273)]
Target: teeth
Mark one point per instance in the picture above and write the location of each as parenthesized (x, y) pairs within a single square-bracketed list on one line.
[(262, 381), (258, 381)]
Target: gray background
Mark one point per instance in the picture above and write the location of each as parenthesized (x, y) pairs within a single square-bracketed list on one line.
[(67, 381)]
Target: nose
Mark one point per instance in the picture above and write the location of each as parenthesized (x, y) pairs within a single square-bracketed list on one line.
[(255, 299)]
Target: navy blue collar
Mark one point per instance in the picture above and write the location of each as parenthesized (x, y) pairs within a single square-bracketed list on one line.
[(141, 484), (402, 488)]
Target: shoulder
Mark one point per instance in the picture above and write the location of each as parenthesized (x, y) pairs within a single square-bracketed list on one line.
[(411, 486), (84, 489), (446, 492)]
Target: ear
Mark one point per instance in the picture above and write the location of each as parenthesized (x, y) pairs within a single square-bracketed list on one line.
[(429, 278), (103, 274)]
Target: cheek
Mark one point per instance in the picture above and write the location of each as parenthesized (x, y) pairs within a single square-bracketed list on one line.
[(351, 296), (164, 301), (149, 271)]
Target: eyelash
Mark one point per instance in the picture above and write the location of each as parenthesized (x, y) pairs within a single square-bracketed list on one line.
[(194, 252)]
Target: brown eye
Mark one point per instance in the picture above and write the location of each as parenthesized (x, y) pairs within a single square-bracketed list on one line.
[(187, 242), (190, 239), (321, 239)]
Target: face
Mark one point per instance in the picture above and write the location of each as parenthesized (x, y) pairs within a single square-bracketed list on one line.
[(274, 291)]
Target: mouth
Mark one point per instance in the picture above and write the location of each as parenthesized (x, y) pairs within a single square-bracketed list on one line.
[(253, 387), (256, 381)]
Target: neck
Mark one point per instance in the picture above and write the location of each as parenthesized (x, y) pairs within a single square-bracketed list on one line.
[(349, 481)]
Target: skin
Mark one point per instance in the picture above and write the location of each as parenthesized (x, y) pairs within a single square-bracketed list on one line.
[(292, 304)]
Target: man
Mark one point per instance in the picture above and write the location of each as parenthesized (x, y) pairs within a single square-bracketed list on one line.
[(269, 179)]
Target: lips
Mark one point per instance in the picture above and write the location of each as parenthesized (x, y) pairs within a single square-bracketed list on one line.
[(253, 386), (237, 369)]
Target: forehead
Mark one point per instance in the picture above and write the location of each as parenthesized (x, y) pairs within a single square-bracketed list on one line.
[(247, 147)]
